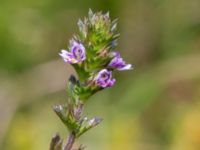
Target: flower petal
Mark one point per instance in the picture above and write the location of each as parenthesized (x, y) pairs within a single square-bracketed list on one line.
[(78, 51), (68, 57), (126, 67)]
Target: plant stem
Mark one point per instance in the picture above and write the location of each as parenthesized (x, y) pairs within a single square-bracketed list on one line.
[(70, 142)]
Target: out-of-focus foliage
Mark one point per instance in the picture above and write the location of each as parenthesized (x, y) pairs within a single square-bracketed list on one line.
[(154, 107)]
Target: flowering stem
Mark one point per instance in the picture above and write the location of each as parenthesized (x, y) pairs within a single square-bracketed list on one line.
[(91, 53), (70, 142)]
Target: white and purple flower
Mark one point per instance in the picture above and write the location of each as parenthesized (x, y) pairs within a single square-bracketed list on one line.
[(118, 63), (76, 54), (104, 79)]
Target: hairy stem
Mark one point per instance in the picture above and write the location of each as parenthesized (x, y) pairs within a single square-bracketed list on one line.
[(70, 142)]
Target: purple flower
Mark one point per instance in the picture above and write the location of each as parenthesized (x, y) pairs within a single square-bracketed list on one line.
[(104, 78), (118, 63), (76, 54)]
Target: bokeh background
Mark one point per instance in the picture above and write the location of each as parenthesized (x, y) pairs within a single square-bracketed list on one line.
[(154, 107)]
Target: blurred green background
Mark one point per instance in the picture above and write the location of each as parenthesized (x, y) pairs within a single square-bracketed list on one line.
[(154, 107)]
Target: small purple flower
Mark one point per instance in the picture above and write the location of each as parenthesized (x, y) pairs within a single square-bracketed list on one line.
[(118, 63), (76, 54), (104, 78)]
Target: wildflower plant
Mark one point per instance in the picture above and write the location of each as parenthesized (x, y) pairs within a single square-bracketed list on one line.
[(92, 54)]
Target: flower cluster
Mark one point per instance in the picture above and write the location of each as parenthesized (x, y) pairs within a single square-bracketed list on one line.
[(92, 52)]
